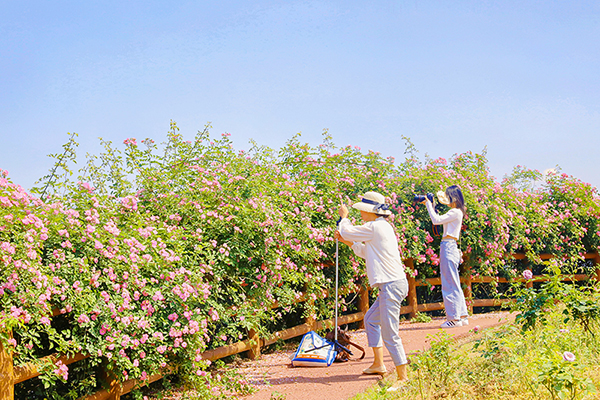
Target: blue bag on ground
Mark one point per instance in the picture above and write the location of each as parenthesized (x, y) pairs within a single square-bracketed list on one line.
[(314, 351)]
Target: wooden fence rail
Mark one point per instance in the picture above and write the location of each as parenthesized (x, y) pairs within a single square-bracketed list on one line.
[(11, 375)]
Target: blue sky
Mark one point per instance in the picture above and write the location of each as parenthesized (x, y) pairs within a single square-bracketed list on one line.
[(520, 78)]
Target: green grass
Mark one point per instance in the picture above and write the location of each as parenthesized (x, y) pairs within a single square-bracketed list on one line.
[(505, 363)]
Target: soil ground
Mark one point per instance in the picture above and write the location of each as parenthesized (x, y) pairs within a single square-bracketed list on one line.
[(275, 378)]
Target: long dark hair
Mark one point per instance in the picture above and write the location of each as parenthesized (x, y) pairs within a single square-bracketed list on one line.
[(455, 195)]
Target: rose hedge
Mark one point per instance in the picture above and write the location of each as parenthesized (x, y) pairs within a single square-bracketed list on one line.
[(155, 254)]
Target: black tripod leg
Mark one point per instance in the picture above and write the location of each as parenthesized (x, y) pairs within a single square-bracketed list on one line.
[(339, 346)]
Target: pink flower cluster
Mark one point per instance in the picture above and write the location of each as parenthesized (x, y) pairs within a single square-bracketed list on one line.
[(62, 370), (129, 203)]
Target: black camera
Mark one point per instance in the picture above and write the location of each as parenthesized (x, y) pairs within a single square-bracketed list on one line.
[(419, 198)]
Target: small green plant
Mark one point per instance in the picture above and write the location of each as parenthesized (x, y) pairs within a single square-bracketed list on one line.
[(562, 376), (421, 317), (495, 345), (439, 362), (582, 306), (275, 395), (533, 304)]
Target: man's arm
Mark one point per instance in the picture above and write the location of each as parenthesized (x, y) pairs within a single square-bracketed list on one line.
[(339, 237)]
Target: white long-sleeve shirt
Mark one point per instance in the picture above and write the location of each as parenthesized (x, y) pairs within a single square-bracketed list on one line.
[(452, 220), (376, 242)]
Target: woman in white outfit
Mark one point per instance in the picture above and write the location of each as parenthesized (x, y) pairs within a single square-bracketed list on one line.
[(376, 242), (450, 256)]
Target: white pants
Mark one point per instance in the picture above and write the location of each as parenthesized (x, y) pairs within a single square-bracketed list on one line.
[(454, 298), (382, 321)]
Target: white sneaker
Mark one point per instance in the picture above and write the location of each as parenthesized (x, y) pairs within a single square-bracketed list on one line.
[(398, 386), (465, 321), (451, 324)]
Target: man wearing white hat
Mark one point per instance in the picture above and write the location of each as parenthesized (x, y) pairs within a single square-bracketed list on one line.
[(376, 242)]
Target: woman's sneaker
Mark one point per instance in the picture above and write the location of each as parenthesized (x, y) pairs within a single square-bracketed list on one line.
[(451, 324), (398, 386)]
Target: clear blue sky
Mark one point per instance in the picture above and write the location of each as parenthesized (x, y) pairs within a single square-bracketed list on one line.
[(520, 77)]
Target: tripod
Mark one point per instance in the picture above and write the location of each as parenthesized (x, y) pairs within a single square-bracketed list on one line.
[(337, 346)]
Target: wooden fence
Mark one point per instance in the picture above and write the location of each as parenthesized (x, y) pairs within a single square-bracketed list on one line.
[(11, 375)]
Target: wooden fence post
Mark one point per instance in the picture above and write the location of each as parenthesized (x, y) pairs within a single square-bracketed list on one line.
[(310, 320), (468, 290), (115, 392), (363, 303), (529, 284), (596, 261), (111, 383), (254, 351), (7, 379), (412, 288)]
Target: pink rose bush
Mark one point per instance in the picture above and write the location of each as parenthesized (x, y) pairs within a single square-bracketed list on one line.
[(168, 252)]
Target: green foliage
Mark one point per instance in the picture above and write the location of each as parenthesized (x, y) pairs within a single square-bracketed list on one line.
[(420, 317), (548, 361), (440, 362), (562, 378), (58, 181), (153, 254), (582, 306), (533, 304)]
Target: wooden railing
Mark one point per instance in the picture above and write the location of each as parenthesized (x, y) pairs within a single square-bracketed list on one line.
[(11, 375)]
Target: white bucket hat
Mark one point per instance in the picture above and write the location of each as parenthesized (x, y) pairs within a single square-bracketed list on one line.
[(373, 202), (442, 197)]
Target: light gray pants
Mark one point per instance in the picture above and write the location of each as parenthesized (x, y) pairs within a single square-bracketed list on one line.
[(382, 321), (454, 298)]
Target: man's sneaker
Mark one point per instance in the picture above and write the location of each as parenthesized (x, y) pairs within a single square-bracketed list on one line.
[(451, 324), (465, 321)]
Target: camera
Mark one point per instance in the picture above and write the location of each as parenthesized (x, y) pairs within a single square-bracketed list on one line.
[(419, 198)]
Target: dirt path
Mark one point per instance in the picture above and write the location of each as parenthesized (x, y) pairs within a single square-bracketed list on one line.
[(273, 375)]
